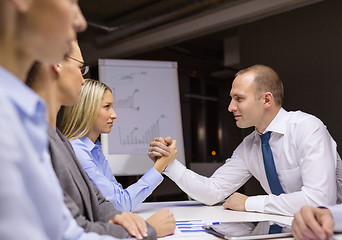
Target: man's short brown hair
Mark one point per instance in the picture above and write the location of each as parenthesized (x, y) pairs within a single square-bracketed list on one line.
[(266, 80)]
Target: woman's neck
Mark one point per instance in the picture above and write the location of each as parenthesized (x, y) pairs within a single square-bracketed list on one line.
[(46, 88), (93, 136), (53, 112), (53, 106)]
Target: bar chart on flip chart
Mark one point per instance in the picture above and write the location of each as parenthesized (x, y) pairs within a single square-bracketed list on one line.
[(146, 100)]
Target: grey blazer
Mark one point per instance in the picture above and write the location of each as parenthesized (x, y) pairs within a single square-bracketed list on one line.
[(85, 202)]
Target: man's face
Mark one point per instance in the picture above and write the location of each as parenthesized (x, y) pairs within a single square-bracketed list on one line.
[(247, 109), (48, 28)]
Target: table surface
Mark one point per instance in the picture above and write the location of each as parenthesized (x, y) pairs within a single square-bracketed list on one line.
[(192, 210)]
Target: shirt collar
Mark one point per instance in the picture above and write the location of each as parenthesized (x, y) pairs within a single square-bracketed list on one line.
[(90, 145), (20, 94), (278, 124)]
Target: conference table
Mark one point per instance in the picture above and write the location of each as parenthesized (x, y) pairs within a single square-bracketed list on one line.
[(193, 211)]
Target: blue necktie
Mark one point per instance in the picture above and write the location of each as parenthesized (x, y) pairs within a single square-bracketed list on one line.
[(270, 169), (274, 228)]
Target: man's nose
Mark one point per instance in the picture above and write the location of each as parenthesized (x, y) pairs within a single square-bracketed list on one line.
[(231, 106), (80, 23)]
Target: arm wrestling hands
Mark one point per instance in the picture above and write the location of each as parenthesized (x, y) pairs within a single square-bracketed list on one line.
[(160, 147), (162, 151), (163, 222)]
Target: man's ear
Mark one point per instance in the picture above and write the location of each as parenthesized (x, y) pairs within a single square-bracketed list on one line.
[(22, 5), (268, 99)]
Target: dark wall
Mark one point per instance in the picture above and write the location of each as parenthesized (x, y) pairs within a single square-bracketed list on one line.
[(305, 47)]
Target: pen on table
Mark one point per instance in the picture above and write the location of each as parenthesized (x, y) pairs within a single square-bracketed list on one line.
[(216, 223)]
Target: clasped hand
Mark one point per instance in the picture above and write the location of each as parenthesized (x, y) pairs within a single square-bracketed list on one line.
[(162, 151)]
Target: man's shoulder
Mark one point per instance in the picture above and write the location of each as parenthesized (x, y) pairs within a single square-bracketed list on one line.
[(302, 126), (302, 119), (299, 114)]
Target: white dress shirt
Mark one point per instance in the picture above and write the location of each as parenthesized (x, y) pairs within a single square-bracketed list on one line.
[(305, 157)]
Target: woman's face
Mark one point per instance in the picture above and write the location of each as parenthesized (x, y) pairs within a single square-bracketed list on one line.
[(48, 27), (106, 115), (70, 79)]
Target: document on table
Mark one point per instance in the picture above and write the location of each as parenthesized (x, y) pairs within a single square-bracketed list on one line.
[(190, 228), (184, 227)]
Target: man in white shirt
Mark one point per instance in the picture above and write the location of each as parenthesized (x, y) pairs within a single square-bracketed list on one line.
[(304, 155)]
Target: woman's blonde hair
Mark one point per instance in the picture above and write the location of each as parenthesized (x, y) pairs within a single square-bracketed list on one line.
[(77, 121)]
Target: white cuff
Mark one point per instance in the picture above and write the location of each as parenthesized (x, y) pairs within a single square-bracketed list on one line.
[(255, 204)]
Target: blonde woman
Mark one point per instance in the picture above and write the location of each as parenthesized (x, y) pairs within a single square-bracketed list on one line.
[(83, 124)]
